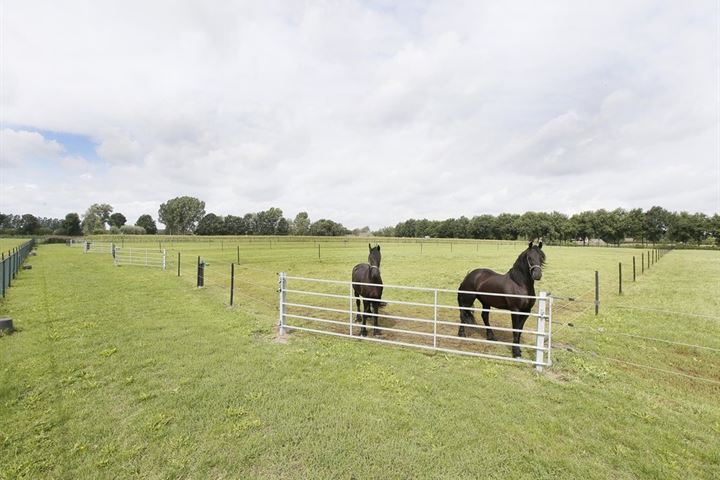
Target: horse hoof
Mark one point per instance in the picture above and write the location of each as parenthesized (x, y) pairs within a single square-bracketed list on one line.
[(363, 333), (377, 333), (516, 354)]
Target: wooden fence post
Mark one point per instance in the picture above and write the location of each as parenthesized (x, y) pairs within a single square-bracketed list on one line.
[(597, 292)]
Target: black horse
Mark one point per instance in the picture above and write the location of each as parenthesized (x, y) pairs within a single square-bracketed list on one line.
[(519, 280), (368, 273)]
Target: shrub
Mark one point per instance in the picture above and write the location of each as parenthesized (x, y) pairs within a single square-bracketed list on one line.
[(132, 230)]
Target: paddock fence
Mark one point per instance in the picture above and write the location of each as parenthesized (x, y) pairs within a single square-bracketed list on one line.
[(140, 257), (12, 262), (425, 318), (94, 246)]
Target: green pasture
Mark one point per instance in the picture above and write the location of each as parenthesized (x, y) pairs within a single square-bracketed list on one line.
[(9, 243), (132, 372)]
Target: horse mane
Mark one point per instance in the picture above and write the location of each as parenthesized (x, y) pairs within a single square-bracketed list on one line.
[(520, 271)]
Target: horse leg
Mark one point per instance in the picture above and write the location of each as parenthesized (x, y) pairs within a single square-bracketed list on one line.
[(356, 294), (466, 316), (489, 333), (366, 309), (375, 307), (518, 322)]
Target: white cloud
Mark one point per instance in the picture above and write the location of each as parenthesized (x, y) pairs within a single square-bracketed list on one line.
[(365, 114), (18, 147)]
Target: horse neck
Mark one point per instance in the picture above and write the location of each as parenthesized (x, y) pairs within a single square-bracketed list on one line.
[(520, 274), (374, 272)]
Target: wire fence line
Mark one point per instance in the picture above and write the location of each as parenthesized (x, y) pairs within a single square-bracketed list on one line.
[(645, 367), (566, 315)]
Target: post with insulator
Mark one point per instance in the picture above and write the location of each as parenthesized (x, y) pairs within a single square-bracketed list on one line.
[(200, 273)]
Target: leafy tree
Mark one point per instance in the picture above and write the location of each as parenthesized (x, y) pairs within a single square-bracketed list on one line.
[(301, 224), (211, 224), (533, 225), (714, 228), (326, 228), (266, 221), (282, 227), (482, 226), (634, 221), (96, 217), (181, 214), (132, 230), (29, 225), (684, 227), (117, 220), (235, 225), (507, 226), (656, 223), (250, 223), (146, 221), (71, 225), (581, 225), (559, 226), (405, 229)]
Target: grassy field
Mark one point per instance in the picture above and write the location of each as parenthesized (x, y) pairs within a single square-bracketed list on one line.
[(10, 243), (133, 372)]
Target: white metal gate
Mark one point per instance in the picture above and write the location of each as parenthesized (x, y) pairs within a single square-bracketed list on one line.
[(412, 317), (140, 256), (92, 246)]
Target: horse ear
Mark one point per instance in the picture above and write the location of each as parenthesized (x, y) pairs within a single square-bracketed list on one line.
[(530, 244), (369, 247), (540, 245), (378, 247)]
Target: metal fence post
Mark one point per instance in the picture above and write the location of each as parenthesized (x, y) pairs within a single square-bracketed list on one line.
[(352, 297), (435, 312), (178, 264), (633, 268), (232, 283), (540, 336), (282, 283), (620, 278)]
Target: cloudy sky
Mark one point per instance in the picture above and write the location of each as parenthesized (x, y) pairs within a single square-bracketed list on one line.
[(364, 112)]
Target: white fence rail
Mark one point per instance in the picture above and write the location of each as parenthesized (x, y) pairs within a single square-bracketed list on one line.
[(426, 318), (75, 242), (140, 256), (98, 247)]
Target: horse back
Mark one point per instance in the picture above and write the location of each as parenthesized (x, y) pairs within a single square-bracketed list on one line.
[(484, 280)]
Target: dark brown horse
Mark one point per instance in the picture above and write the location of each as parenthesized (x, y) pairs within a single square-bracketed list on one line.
[(519, 280), (368, 273)]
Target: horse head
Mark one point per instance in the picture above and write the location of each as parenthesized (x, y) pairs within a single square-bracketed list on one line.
[(535, 259), (374, 256)]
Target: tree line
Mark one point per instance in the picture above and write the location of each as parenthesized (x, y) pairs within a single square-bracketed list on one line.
[(654, 225), (181, 216), (186, 216)]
